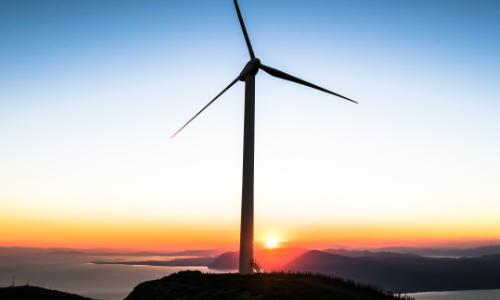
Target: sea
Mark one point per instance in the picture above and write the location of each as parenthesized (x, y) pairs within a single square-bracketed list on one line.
[(458, 295), (75, 273)]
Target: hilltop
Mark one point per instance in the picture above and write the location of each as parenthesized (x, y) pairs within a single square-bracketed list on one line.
[(277, 286), (32, 292)]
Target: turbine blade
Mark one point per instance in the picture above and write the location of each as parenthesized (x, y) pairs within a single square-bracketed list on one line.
[(208, 104), (244, 29), (283, 75)]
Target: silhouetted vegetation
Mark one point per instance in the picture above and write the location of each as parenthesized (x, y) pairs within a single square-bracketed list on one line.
[(197, 285)]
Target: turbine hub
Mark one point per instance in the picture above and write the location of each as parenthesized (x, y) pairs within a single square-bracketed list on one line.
[(251, 68)]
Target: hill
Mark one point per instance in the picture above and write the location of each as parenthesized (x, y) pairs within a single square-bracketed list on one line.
[(277, 286), (225, 261), (32, 292), (405, 272)]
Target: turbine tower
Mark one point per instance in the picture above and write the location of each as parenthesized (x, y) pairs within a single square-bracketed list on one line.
[(246, 260)]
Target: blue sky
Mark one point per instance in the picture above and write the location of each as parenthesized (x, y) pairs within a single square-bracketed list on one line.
[(90, 92)]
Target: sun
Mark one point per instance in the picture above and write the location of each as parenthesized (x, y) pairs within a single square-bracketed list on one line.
[(272, 242)]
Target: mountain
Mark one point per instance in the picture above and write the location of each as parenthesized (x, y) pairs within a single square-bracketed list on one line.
[(225, 261), (448, 252), (31, 292), (277, 286), (269, 259), (363, 253), (107, 252), (405, 272)]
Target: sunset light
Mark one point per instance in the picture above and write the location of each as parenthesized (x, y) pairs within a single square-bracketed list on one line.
[(272, 242)]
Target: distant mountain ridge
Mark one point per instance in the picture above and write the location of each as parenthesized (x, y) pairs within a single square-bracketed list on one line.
[(405, 272), (107, 252), (447, 252), (401, 272), (366, 253), (431, 252)]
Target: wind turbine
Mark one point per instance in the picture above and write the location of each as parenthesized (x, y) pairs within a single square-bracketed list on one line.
[(246, 260)]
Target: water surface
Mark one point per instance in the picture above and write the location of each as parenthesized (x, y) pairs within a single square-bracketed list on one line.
[(458, 295), (75, 273)]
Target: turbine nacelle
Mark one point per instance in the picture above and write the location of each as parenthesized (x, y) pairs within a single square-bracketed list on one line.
[(251, 68)]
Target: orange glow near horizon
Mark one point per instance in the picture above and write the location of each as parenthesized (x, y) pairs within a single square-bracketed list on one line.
[(135, 235)]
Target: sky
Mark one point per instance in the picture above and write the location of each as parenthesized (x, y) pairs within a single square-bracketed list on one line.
[(91, 91)]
